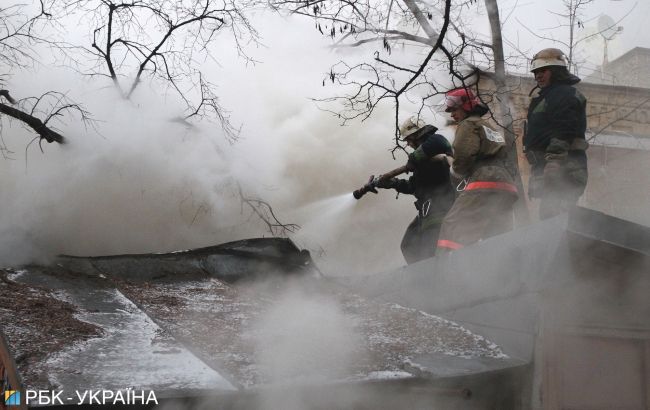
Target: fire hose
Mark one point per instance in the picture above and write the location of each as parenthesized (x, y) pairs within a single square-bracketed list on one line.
[(371, 185)]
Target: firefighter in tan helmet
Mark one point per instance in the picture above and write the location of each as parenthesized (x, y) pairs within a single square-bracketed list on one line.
[(554, 141)]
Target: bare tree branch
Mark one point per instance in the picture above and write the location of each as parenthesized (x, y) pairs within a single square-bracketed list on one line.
[(38, 113), (18, 37), (390, 22), (157, 40), (264, 212)]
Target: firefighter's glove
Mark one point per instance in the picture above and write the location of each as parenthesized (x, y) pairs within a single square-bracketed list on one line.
[(410, 166), (371, 185), (416, 157), (449, 160), (389, 183), (553, 171), (557, 150)]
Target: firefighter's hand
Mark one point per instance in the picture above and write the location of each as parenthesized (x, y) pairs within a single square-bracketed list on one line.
[(552, 170), (449, 160), (371, 186), (557, 150), (410, 165), (415, 157), (386, 183)]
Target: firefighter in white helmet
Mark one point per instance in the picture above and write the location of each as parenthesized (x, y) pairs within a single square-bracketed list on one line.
[(554, 141), (429, 184)]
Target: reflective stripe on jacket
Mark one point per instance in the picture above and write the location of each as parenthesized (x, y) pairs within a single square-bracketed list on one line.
[(501, 186), (447, 244)]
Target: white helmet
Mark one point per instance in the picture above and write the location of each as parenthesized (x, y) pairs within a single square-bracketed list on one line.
[(410, 126), (548, 57)]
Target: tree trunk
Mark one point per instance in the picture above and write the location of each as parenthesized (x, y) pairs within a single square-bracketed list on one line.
[(522, 216), (422, 20)]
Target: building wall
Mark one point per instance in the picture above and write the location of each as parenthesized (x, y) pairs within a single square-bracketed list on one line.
[(619, 183), (630, 69), (595, 337)]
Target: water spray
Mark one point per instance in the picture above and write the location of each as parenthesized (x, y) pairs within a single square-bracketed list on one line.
[(371, 185)]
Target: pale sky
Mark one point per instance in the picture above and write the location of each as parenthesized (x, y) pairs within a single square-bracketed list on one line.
[(538, 15)]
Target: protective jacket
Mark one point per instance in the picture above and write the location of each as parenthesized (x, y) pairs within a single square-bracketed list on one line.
[(431, 186), (559, 111), (484, 176), (430, 179), (480, 158), (555, 146)]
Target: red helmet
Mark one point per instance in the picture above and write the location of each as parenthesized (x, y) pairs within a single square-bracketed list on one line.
[(461, 97)]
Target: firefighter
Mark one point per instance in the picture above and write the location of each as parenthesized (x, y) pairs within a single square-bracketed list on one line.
[(430, 184), (482, 174), (554, 141)]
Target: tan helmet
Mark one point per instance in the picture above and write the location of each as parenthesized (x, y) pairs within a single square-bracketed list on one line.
[(548, 57), (411, 125)]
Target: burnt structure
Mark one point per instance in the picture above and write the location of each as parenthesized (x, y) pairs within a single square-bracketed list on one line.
[(248, 324), (551, 316)]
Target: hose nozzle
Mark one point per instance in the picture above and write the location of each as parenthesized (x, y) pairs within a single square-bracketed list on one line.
[(371, 186)]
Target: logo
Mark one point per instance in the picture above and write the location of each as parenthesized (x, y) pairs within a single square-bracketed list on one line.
[(12, 398), (493, 135)]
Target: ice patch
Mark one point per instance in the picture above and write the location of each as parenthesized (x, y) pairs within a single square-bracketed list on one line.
[(133, 352), (388, 375)]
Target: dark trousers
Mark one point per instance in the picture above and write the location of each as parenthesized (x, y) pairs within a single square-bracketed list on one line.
[(559, 184), (419, 241)]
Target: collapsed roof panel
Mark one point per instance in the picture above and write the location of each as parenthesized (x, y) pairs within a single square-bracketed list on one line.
[(179, 328)]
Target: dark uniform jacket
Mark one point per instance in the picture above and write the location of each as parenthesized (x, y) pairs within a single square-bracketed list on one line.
[(430, 179), (556, 120), (555, 146)]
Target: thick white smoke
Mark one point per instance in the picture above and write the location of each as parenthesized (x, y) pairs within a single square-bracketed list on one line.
[(147, 184)]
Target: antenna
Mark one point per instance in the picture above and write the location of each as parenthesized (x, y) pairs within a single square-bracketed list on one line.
[(608, 29)]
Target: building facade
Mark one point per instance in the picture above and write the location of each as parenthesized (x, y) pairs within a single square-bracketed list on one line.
[(630, 70)]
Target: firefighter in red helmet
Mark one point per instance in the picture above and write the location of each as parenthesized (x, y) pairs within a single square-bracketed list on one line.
[(482, 174)]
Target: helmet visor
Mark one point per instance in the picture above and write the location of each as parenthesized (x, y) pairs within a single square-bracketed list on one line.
[(452, 102)]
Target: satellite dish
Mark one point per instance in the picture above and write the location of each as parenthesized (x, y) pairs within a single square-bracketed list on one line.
[(607, 27)]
